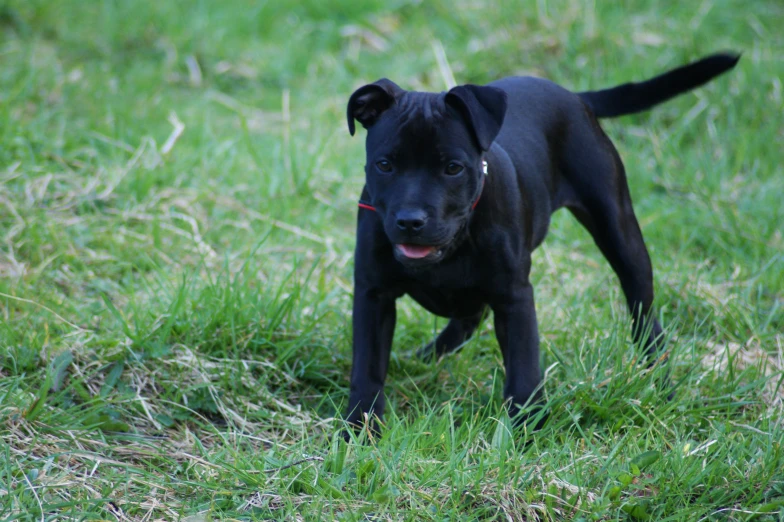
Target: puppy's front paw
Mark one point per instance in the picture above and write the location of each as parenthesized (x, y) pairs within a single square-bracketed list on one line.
[(530, 418)]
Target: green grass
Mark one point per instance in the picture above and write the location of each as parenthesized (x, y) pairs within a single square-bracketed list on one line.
[(175, 313)]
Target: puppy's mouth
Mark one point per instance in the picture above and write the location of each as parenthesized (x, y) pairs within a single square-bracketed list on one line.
[(416, 251), (421, 252), (417, 254)]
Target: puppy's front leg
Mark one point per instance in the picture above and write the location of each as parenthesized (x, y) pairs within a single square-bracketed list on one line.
[(518, 337), (373, 325)]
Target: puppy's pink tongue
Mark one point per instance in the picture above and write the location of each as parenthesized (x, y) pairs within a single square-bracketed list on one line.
[(415, 251)]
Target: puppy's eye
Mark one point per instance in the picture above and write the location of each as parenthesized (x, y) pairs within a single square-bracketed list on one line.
[(384, 166), (454, 168)]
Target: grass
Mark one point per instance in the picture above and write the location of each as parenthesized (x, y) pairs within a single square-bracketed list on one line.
[(177, 202)]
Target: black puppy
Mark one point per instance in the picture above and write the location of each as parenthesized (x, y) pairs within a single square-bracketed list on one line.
[(459, 191)]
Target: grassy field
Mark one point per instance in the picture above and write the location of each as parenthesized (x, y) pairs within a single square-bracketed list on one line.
[(177, 202)]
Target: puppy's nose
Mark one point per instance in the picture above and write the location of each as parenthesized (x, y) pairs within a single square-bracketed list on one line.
[(411, 220)]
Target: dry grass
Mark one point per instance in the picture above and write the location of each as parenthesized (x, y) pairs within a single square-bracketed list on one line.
[(177, 206)]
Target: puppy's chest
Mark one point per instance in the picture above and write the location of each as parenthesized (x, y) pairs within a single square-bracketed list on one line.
[(446, 302), (453, 290)]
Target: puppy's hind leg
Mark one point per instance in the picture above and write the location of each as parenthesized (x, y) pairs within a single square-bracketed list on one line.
[(457, 332), (604, 207)]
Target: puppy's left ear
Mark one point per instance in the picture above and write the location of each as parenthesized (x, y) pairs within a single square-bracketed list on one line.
[(483, 108), (368, 103)]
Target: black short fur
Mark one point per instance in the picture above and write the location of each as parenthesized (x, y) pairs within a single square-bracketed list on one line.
[(545, 150)]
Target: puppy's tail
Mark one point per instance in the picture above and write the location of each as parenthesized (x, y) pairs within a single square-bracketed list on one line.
[(631, 98)]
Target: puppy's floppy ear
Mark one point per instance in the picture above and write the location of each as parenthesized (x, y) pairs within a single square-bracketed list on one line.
[(483, 108), (369, 102)]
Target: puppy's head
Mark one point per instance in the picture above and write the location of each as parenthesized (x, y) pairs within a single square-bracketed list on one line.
[(424, 160)]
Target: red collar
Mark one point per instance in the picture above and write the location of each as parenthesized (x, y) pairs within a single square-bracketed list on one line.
[(368, 206)]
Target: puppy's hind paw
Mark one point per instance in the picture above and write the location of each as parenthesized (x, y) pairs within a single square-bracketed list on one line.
[(364, 431), (427, 353)]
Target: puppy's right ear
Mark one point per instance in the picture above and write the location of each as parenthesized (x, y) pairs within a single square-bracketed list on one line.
[(369, 102)]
